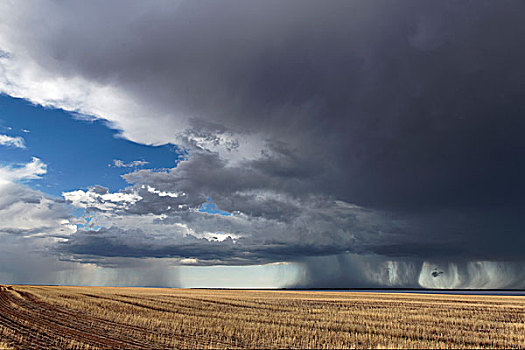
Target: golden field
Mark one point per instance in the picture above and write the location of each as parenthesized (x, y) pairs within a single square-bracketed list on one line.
[(94, 317)]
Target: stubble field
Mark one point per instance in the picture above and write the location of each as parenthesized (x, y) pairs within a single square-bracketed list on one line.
[(91, 317)]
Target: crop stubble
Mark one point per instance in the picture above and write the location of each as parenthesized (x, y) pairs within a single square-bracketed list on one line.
[(34, 317)]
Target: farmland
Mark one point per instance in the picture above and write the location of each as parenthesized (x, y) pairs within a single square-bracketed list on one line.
[(94, 317)]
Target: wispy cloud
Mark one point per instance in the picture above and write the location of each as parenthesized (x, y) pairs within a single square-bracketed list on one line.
[(28, 171), (12, 141), (117, 163)]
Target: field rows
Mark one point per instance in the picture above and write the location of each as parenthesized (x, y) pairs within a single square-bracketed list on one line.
[(34, 317)]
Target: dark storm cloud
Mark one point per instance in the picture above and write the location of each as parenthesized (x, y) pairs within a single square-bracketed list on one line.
[(403, 104), (411, 109)]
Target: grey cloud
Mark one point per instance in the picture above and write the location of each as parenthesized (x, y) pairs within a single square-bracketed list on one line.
[(264, 226), (94, 247), (32, 224), (206, 174), (27, 212), (33, 260)]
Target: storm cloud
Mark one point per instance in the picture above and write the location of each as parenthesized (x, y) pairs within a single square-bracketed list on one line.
[(384, 131)]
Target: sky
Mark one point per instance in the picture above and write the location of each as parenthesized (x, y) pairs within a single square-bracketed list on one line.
[(263, 143)]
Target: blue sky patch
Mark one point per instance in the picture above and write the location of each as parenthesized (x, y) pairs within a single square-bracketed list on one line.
[(210, 208), (78, 153)]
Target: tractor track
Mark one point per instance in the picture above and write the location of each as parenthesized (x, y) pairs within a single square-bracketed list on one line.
[(54, 325), (38, 324)]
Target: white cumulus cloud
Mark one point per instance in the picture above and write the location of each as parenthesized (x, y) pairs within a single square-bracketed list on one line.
[(101, 199)]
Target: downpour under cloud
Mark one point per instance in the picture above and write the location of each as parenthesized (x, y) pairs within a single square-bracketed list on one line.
[(375, 143)]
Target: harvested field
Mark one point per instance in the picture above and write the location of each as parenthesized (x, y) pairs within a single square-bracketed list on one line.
[(34, 317)]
